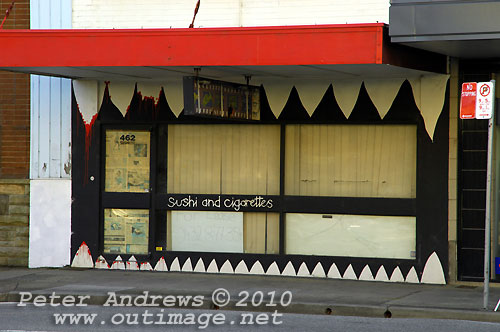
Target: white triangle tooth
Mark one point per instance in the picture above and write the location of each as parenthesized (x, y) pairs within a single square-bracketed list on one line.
[(146, 266), (212, 267), (289, 270), (257, 268), (118, 264), (132, 264), (161, 265), (366, 274), (100, 263), (175, 266), (396, 275), (433, 271), (187, 266), (273, 269), (334, 272), (349, 273), (83, 257), (381, 274), (200, 266), (318, 271), (303, 271), (241, 268), (412, 276), (226, 267)]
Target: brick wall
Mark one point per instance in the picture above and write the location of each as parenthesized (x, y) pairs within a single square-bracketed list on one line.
[(14, 150), (14, 125), (14, 105), (224, 13)]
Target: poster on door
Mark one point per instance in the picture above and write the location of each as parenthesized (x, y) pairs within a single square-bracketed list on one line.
[(126, 231), (127, 161)]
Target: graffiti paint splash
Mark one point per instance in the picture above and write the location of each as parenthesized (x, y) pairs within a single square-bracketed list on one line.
[(88, 135), (149, 108), (88, 141)]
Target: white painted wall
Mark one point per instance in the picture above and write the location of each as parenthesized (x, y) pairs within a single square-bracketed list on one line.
[(224, 13), (50, 165), (50, 223)]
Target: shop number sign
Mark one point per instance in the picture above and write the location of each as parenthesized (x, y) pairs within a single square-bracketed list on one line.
[(477, 100)]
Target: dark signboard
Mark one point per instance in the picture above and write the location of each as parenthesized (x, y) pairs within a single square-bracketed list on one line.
[(235, 203), (218, 99)]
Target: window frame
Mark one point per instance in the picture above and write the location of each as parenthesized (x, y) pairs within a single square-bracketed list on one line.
[(154, 199)]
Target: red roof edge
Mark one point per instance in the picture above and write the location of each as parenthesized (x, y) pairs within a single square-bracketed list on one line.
[(245, 46)]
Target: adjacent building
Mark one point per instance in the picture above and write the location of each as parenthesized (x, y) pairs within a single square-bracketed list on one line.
[(468, 34), (14, 150)]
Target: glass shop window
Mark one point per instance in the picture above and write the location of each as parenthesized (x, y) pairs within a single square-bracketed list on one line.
[(232, 232), (350, 235), (224, 159), (351, 160), (127, 161)]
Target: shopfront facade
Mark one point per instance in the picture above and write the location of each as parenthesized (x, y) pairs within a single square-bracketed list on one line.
[(320, 194), (330, 160)]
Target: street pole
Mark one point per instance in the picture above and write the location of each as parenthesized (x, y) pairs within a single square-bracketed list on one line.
[(487, 228)]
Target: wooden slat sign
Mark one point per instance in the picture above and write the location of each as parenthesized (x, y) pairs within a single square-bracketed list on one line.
[(468, 101)]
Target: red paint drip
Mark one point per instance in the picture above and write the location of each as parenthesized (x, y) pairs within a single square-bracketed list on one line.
[(143, 102), (137, 94), (84, 244), (88, 142), (88, 137)]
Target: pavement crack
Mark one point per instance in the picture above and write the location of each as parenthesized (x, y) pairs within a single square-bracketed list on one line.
[(401, 297)]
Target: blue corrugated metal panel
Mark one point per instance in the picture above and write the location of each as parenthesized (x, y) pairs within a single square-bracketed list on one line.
[(50, 102), (35, 110), (44, 127)]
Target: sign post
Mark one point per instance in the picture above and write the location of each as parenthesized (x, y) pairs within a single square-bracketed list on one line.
[(485, 110), (477, 102)]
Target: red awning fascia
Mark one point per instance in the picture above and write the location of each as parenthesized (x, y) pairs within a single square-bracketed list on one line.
[(278, 45)]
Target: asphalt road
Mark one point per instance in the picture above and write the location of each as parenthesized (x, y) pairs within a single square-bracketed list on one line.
[(32, 318)]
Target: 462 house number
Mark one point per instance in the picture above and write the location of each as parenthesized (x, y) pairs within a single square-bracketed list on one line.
[(126, 138)]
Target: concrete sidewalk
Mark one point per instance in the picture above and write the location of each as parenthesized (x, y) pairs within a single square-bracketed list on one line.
[(309, 295)]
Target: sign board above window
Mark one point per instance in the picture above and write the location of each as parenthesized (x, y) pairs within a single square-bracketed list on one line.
[(217, 99)]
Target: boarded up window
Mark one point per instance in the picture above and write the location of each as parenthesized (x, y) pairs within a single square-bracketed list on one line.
[(351, 160), (222, 159)]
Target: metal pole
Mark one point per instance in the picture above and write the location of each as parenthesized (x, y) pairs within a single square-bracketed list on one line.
[(487, 221)]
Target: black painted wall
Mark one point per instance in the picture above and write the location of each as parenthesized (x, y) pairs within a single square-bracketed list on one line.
[(430, 206)]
